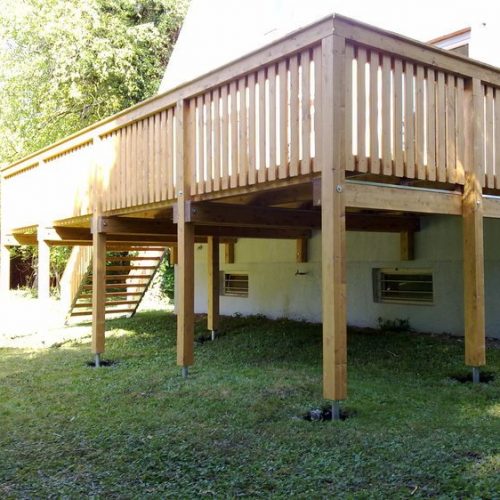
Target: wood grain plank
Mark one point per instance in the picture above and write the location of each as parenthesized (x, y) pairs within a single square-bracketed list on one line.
[(420, 123), (283, 171), (262, 172), (398, 118), (243, 149), (431, 124), (441, 127), (374, 113), (217, 140), (305, 98), (252, 160), (361, 111), (209, 129), (489, 138), (409, 131), (294, 116), (225, 138), (317, 57), (386, 116), (233, 89), (271, 76), (451, 156)]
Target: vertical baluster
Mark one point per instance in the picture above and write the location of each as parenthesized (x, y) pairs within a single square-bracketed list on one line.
[(305, 63), (243, 150), (234, 134), (451, 156), (441, 127), (409, 122), (431, 124), (374, 111), (294, 116), (361, 100), (252, 173), (283, 122)]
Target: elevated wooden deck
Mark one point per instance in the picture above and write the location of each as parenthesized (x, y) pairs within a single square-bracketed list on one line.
[(308, 132)]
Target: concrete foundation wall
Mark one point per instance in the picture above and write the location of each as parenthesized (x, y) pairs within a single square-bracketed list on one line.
[(277, 290)]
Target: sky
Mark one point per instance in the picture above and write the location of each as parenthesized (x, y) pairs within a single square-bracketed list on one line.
[(218, 31)]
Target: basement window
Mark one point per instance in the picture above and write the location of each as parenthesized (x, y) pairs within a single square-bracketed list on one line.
[(403, 286), (235, 284)]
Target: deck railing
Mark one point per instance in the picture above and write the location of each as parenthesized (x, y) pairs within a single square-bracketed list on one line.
[(256, 121)]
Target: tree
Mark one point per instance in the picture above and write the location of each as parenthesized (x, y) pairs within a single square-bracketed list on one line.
[(65, 64)]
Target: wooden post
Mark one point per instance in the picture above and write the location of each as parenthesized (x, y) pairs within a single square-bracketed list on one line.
[(43, 271), (213, 283), (185, 239), (475, 354), (4, 269), (332, 162), (229, 253), (407, 245), (301, 253), (98, 289)]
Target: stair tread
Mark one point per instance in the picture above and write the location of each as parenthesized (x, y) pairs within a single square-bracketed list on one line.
[(110, 303), (112, 311), (119, 285)]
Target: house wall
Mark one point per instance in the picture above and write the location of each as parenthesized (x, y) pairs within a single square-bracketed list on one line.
[(276, 291)]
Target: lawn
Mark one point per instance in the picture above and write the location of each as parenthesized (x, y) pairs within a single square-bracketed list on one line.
[(234, 428)]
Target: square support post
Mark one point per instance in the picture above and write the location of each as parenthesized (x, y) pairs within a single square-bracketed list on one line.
[(213, 284), (43, 270), (98, 291), (4, 269), (472, 204), (332, 162), (185, 239)]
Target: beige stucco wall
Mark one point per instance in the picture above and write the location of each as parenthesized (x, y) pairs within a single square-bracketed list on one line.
[(275, 289)]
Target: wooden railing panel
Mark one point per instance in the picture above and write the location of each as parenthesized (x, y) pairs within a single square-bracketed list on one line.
[(138, 162), (406, 119), (259, 127), (68, 182)]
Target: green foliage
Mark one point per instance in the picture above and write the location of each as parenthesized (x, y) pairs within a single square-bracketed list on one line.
[(167, 280), (394, 325), (234, 428), (65, 64), (28, 260)]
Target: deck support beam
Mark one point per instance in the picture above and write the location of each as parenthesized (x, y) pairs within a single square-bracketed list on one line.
[(473, 240), (4, 269), (98, 294), (43, 270), (213, 285), (333, 220), (185, 240)]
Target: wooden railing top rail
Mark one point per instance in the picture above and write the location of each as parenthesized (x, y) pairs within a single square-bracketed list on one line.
[(354, 31)]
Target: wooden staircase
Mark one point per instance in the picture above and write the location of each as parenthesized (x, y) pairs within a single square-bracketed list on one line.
[(129, 272)]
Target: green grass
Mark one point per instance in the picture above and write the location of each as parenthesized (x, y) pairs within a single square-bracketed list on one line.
[(137, 429)]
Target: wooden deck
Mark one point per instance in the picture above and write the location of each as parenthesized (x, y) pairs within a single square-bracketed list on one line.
[(308, 132)]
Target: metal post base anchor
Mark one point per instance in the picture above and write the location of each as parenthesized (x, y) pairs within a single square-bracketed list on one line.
[(213, 335), (97, 360), (336, 410), (185, 371), (475, 375)]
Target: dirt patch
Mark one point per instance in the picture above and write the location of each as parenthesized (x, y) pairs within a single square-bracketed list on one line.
[(325, 414), (103, 363), (463, 378)]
